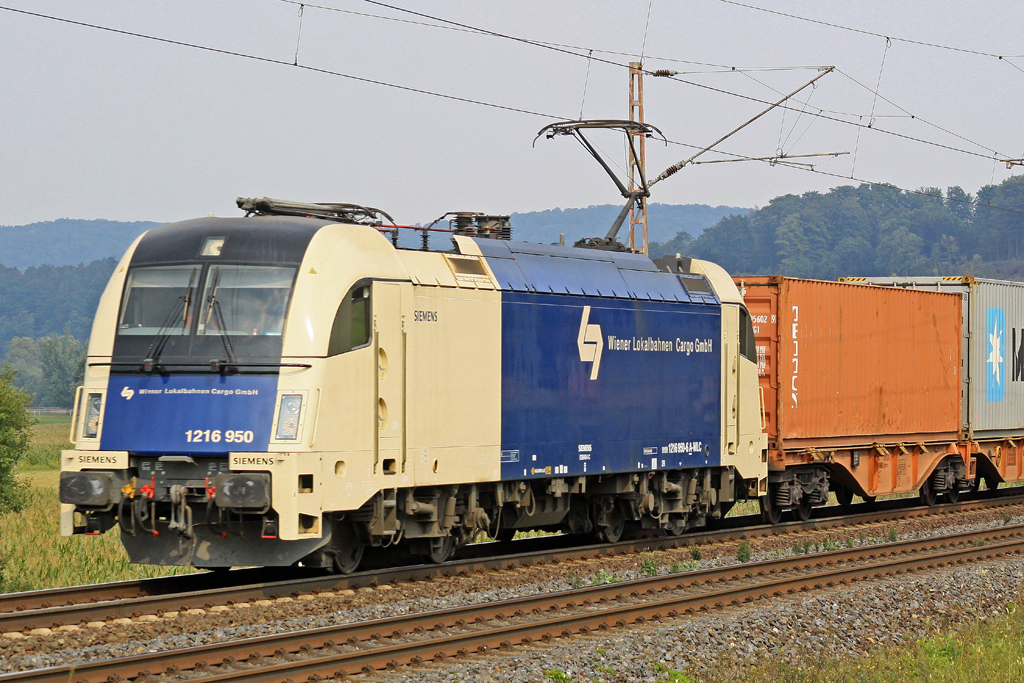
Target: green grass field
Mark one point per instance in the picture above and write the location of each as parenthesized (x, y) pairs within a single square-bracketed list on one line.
[(49, 438)]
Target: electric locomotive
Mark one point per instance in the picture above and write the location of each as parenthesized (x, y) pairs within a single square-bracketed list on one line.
[(291, 387)]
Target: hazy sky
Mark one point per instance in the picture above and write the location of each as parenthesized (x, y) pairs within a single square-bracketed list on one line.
[(95, 124)]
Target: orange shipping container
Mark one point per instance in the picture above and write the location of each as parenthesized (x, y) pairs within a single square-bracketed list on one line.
[(843, 365)]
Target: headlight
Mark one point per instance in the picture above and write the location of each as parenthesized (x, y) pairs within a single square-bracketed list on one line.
[(88, 489), (92, 416), (242, 490), (288, 417)]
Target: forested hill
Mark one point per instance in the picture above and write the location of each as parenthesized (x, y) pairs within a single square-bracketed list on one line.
[(66, 241), (45, 300), (71, 241), (871, 230)]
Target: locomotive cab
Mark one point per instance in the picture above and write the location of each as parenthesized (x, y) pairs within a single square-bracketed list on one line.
[(198, 389)]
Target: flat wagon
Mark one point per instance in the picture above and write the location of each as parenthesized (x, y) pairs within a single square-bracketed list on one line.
[(861, 390)]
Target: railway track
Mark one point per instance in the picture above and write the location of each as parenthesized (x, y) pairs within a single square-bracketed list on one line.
[(343, 650), (81, 604)]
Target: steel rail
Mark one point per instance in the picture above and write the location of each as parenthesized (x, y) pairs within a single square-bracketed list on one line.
[(636, 600), (550, 549)]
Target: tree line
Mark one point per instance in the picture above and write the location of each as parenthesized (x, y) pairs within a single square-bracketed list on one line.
[(45, 313), (49, 369), (870, 230)]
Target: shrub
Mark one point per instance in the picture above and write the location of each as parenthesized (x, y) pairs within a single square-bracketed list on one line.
[(649, 567), (743, 552), (696, 554), (683, 567), (15, 436)]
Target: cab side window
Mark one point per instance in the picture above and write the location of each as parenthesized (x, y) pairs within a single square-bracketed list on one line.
[(352, 322), (748, 348)]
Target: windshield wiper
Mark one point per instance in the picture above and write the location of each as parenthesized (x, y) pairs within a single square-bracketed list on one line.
[(211, 298), (188, 302), (213, 306)]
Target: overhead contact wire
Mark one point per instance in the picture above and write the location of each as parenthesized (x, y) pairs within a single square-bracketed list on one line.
[(916, 117), (578, 52), (810, 169), (281, 62), (724, 68), (647, 25), (868, 33), (751, 98)]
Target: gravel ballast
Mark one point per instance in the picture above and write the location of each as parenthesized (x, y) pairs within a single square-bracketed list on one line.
[(851, 623)]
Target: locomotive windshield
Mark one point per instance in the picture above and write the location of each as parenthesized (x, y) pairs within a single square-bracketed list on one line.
[(180, 313), (155, 297), (245, 300)]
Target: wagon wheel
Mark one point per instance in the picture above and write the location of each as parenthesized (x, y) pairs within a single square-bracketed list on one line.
[(928, 496), (803, 509), (771, 514), (844, 496), (953, 495)]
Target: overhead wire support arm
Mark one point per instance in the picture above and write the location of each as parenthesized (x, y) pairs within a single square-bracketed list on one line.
[(575, 129), (676, 167)]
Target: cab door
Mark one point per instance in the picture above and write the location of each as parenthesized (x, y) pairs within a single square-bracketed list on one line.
[(389, 342)]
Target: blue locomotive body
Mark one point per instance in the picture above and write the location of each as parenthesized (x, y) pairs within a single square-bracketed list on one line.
[(593, 386)]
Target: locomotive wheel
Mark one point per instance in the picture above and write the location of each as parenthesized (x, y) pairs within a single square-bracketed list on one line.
[(441, 549), (674, 529), (348, 549), (771, 514), (844, 496), (347, 558), (953, 495), (803, 509), (616, 524), (928, 496)]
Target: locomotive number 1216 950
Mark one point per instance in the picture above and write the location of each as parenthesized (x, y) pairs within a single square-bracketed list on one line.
[(216, 436)]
